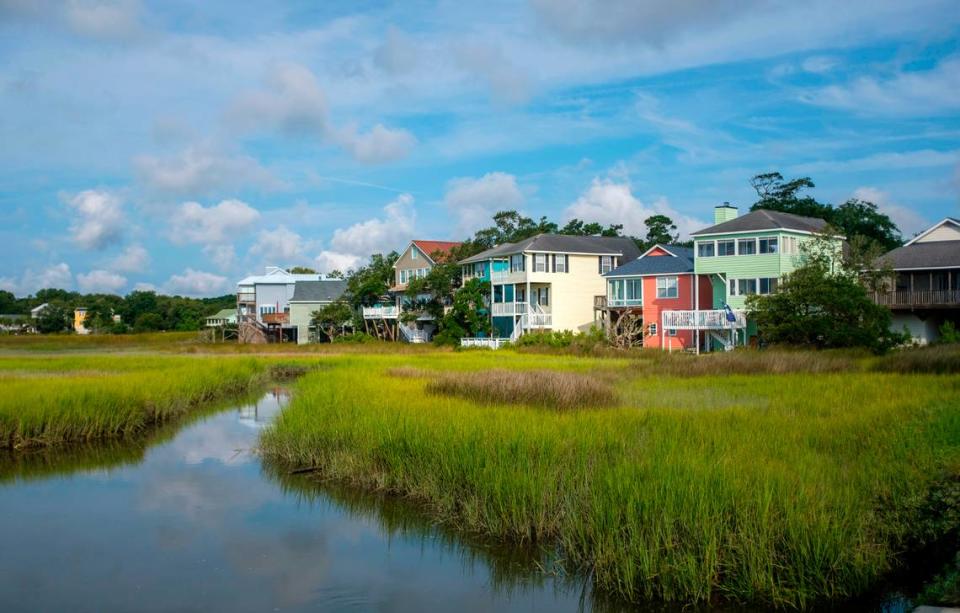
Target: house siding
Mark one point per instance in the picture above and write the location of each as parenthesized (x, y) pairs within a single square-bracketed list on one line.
[(686, 300), (407, 262)]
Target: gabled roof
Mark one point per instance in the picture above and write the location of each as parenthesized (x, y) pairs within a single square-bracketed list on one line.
[(679, 261), (935, 254), (763, 219), (223, 314), (431, 247), (561, 243), (278, 276), (326, 290), (945, 221)]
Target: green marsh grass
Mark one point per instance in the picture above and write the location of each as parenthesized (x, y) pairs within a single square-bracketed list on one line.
[(786, 490)]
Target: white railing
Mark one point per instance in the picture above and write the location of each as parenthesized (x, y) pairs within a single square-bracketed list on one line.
[(532, 315), (413, 335), (489, 343), (703, 320), (507, 309), (500, 276), (517, 331), (381, 312), (624, 302)]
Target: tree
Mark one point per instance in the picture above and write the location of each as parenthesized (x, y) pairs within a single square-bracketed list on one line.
[(576, 227), (660, 230), (148, 322), (9, 305), (331, 318), (854, 218), (468, 315), (336, 274), (367, 285), (54, 318), (823, 306), (302, 270)]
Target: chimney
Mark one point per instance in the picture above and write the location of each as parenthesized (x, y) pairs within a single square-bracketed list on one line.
[(724, 212)]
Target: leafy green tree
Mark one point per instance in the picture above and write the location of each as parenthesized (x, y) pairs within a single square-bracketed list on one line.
[(824, 306), (336, 274), (854, 218), (660, 230), (468, 315), (367, 285), (331, 318), (54, 318), (9, 305), (302, 270), (577, 227), (148, 322)]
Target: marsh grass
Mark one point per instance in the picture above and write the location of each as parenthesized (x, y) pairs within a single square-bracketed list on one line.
[(51, 401), (938, 359), (784, 490), (543, 388)]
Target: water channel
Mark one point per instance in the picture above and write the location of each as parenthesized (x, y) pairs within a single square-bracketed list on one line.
[(190, 519)]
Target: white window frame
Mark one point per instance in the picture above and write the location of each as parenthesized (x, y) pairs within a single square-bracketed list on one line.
[(711, 244), (732, 241), (772, 284), (413, 253), (664, 288), (741, 291), (606, 263), (652, 330), (747, 241), (672, 332), (560, 263), (520, 259), (637, 286), (540, 262), (774, 240)]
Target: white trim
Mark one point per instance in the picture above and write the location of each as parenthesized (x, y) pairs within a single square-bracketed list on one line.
[(931, 229), (929, 268), (695, 236), (574, 252), (651, 274), (657, 246), (412, 244)]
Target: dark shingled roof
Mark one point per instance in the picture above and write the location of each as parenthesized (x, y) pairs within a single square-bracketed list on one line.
[(935, 254), (561, 243), (326, 290), (657, 264), (763, 219)]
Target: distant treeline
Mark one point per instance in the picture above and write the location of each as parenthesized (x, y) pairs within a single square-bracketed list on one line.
[(139, 311)]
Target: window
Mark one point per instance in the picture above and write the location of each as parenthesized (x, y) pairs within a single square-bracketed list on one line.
[(652, 330), (768, 245), (790, 245), (747, 246), (541, 296), (732, 288), (560, 263), (768, 285), (666, 287), (634, 289), (421, 273), (498, 293), (540, 262), (413, 253), (268, 309), (606, 263), (516, 263), (403, 276), (705, 250), (521, 294), (726, 247), (615, 289), (745, 287), (672, 332)]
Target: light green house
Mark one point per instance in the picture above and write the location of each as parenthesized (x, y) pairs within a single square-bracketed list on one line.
[(749, 254), (308, 297)]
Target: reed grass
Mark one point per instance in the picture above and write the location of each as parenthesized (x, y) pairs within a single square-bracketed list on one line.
[(50, 401), (544, 388), (784, 490)]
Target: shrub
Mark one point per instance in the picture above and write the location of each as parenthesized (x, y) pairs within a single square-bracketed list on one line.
[(949, 333), (355, 338)]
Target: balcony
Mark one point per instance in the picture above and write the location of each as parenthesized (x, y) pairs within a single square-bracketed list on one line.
[(276, 319), (531, 315), (623, 303), (703, 320), (248, 297), (381, 312), (928, 299)]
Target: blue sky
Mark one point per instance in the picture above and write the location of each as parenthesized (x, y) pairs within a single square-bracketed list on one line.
[(180, 145)]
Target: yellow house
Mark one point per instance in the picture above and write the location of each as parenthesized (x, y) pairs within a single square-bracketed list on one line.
[(548, 281), (79, 321)]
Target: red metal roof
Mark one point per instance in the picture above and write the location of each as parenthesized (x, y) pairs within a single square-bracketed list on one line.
[(431, 247)]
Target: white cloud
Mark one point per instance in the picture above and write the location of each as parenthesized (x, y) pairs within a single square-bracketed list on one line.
[(196, 283), (507, 82), (922, 158), (55, 276), (104, 19), (397, 54), (133, 259), (199, 170), (223, 256), (280, 245), (381, 144), (99, 219), (609, 202), (101, 281), (291, 102), (144, 287), (220, 223), (819, 64), (351, 246), (909, 222), (474, 201), (921, 92)]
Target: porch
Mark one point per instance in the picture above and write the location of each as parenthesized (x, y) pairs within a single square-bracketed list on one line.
[(381, 312), (531, 315), (703, 320), (912, 299)]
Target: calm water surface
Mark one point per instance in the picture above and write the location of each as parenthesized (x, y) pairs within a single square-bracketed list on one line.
[(192, 520)]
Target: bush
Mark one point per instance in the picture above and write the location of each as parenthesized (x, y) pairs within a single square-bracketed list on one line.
[(355, 338), (949, 333), (579, 342)]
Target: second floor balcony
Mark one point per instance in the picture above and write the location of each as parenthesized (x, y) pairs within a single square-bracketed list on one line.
[(911, 299), (381, 312)]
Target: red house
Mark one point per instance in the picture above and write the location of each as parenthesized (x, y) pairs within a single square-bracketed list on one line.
[(661, 279)]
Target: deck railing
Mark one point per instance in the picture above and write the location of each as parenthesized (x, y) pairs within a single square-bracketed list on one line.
[(275, 318), (531, 315), (381, 312), (918, 298), (246, 296), (703, 320), (489, 343)]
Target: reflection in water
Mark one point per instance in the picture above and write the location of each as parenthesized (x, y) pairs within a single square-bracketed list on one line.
[(188, 518)]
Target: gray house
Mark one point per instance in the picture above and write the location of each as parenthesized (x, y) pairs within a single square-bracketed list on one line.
[(309, 296)]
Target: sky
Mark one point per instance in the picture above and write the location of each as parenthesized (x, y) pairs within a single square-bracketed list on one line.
[(179, 146)]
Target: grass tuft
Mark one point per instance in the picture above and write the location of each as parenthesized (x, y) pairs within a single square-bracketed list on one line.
[(543, 388)]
